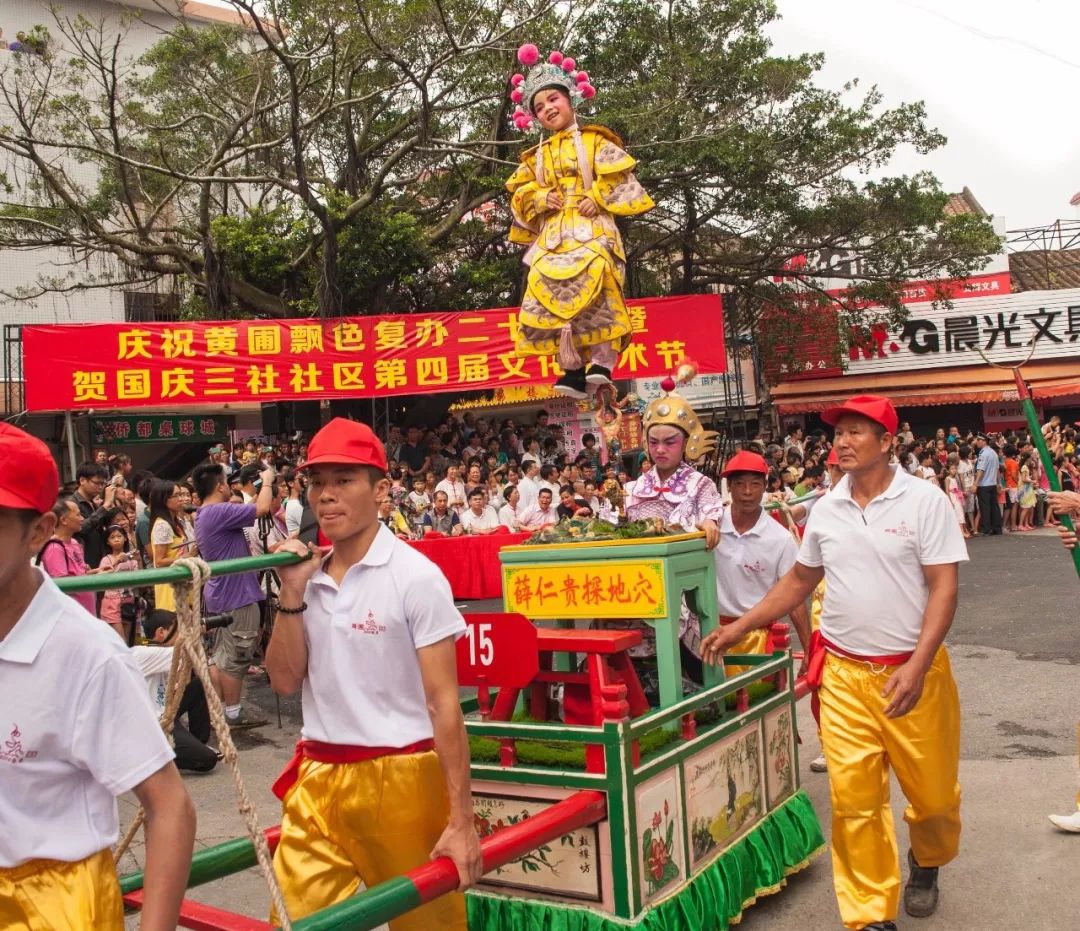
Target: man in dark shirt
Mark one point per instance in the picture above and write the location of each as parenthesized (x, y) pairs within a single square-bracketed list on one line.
[(413, 456), (93, 480)]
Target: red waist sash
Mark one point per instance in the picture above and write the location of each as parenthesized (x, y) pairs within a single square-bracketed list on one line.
[(815, 664), (337, 753)]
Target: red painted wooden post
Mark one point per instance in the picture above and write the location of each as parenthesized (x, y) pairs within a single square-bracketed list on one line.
[(742, 701), (507, 752), (780, 639), (483, 701), (689, 726)]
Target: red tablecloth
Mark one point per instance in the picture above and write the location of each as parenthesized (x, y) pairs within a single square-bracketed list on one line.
[(471, 563)]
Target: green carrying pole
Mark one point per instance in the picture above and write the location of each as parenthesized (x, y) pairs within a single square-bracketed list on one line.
[(1044, 453), (143, 577)]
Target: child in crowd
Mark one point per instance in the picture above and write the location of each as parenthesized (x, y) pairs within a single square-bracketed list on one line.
[(956, 496), (119, 559)]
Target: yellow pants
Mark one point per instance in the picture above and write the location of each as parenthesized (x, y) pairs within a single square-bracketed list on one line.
[(49, 895), (753, 642), (861, 744), (347, 823)]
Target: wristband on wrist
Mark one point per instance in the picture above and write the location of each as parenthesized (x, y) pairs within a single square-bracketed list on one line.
[(298, 610)]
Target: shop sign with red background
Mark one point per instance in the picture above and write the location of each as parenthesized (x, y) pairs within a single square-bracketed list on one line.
[(817, 355), (123, 365)]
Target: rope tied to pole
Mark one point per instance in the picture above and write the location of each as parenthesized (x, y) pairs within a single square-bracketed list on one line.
[(189, 657)]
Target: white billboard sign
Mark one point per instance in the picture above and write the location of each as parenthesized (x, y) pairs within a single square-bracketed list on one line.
[(1002, 326)]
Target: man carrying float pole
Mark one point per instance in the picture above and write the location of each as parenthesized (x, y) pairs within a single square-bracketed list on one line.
[(754, 553), (889, 547), (1067, 503), (380, 781)]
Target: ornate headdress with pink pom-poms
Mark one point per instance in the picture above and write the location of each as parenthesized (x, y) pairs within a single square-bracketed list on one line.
[(558, 71)]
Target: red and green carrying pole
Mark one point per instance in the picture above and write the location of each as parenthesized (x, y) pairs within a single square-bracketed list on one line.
[(390, 899), (1044, 452)]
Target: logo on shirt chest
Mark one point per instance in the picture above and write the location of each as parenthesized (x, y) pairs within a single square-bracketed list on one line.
[(12, 750), (755, 566), (901, 530), (370, 626)]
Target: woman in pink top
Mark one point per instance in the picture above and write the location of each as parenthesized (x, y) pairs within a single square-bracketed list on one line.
[(63, 556)]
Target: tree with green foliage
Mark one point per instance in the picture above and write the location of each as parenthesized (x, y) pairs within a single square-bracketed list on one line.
[(319, 158)]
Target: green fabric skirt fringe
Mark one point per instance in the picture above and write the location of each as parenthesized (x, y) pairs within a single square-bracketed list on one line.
[(756, 865)]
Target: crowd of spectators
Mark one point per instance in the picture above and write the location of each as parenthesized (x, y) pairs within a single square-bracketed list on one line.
[(478, 475), (467, 476)]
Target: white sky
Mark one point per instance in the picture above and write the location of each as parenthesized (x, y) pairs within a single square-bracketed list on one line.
[(998, 78)]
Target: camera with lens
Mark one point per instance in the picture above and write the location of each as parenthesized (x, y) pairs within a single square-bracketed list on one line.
[(214, 621), (133, 607)]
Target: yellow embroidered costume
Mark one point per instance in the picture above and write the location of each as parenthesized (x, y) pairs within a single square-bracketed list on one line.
[(573, 304), (576, 264)]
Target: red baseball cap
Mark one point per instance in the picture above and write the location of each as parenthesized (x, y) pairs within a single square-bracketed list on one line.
[(745, 461), (833, 458), (872, 406), (28, 476), (345, 442)]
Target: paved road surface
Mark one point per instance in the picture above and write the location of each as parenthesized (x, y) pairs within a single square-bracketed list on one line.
[(1016, 655)]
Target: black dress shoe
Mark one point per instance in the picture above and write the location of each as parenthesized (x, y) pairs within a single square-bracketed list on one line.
[(598, 375), (573, 384)]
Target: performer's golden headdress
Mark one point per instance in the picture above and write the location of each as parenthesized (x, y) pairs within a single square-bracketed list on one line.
[(672, 410)]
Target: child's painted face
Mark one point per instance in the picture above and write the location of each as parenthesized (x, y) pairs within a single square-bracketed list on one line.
[(553, 109), (666, 445)]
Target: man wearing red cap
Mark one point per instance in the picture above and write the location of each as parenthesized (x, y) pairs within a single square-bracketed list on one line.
[(754, 553), (380, 782), (78, 731), (889, 547)]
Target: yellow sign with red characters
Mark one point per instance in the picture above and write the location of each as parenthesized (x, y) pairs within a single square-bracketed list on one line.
[(610, 589)]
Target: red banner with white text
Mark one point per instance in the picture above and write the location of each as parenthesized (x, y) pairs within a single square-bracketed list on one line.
[(123, 365)]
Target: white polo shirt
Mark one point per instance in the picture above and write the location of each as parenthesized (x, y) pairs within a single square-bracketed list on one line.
[(487, 519), (875, 592), (363, 685), (76, 730), (749, 564)]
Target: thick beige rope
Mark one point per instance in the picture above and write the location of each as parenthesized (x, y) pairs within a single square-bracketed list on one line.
[(189, 657)]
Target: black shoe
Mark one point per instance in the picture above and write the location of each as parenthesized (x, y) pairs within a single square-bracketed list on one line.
[(246, 719), (573, 384), (921, 891), (880, 926), (598, 375)]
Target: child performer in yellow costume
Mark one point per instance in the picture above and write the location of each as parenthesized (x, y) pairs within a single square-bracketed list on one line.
[(565, 197)]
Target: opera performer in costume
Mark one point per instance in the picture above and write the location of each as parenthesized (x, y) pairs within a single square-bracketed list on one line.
[(674, 491), (565, 196)]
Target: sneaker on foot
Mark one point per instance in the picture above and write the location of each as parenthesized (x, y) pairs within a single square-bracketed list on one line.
[(573, 384), (598, 375), (818, 765), (1068, 823), (921, 890), (246, 719)]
